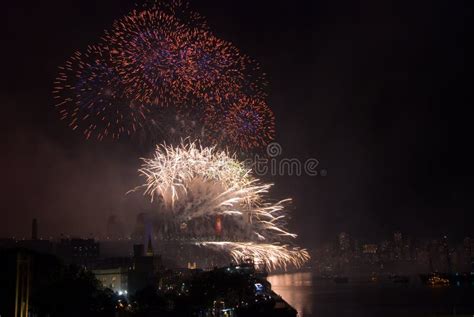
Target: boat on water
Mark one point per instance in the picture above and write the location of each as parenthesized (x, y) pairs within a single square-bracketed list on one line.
[(436, 279)]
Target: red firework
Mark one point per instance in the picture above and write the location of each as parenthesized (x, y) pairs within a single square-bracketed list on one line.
[(246, 122), (163, 54), (164, 61), (146, 48)]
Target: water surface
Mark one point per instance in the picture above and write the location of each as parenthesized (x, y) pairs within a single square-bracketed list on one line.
[(320, 298)]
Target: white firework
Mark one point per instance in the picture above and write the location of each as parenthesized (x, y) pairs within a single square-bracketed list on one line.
[(194, 182), (271, 256)]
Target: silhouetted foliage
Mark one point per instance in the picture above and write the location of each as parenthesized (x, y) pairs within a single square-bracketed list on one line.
[(56, 289)]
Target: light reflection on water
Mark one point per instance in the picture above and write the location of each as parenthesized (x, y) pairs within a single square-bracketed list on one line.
[(363, 298), (296, 289)]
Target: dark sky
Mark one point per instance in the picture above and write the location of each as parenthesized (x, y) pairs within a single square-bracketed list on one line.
[(378, 91)]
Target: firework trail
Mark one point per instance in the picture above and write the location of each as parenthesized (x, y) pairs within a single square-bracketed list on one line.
[(197, 184)]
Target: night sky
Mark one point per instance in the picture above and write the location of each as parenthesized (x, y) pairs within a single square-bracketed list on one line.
[(378, 91)]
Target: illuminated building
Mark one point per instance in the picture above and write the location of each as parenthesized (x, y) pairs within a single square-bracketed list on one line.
[(114, 278), (369, 249)]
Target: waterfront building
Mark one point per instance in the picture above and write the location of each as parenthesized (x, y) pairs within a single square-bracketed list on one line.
[(114, 278)]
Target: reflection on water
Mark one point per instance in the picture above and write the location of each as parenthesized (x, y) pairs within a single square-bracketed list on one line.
[(296, 289), (363, 298)]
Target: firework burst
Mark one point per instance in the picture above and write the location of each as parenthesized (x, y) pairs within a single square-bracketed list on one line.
[(271, 256), (164, 60), (180, 10), (145, 50), (163, 55), (89, 95), (245, 122), (197, 184)]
